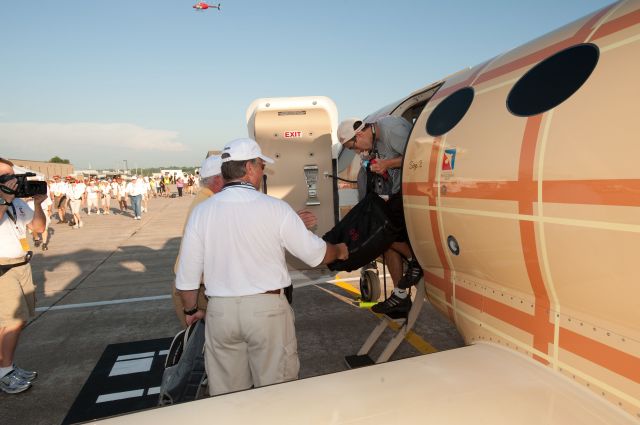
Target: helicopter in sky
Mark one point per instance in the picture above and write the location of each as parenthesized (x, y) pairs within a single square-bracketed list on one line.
[(203, 5)]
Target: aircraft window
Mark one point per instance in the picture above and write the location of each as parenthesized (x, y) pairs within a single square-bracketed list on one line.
[(449, 112), (553, 80)]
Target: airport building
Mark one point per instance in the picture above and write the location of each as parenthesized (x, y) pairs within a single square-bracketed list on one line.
[(49, 169)]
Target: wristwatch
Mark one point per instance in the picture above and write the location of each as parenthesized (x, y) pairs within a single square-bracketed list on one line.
[(191, 312)]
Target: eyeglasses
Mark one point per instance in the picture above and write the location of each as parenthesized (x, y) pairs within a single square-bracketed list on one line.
[(350, 144)]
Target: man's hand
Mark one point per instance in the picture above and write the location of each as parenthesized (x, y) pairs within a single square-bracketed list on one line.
[(379, 166), (343, 251), (308, 218), (194, 317), (335, 252), (11, 184), (39, 199)]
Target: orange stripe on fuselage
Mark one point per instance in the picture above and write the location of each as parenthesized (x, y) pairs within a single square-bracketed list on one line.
[(618, 24), (505, 313), (537, 56), (617, 361), (541, 339), (612, 192)]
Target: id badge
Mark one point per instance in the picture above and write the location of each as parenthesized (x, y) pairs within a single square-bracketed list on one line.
[(22, 236)]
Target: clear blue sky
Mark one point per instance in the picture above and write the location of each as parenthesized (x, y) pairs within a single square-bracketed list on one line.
[(156, 83)]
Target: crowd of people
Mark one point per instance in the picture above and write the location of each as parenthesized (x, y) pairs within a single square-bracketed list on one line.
[(71, 197), (68, 199)]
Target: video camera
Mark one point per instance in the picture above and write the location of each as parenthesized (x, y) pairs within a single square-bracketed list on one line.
[(26, 188)]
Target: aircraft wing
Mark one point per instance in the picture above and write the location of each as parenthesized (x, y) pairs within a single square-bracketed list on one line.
[(482, 383)]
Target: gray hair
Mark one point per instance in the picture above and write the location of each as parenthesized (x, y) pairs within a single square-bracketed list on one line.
[(234, 169)]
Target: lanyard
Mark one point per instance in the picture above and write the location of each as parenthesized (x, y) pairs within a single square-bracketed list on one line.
[(12, 213), (20, 234)]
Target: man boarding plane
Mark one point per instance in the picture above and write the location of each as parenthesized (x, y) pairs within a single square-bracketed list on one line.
[(521, 193)]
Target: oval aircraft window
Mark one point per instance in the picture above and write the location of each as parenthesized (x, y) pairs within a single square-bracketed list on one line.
[(449, 112), (553, 80)]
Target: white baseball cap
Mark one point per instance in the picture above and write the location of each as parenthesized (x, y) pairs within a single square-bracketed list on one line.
[(242, 150), (348, 128), (211, 166)]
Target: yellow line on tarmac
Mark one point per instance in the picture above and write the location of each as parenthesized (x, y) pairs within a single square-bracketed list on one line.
[(344, 285), (415, 340), (412, 338)]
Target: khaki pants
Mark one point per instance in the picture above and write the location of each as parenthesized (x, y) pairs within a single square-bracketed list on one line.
[(251, 341), (17, 294)]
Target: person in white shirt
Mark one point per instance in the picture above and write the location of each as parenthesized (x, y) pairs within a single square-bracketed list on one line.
[(92, 197), (114, 189), (135, 189), (237, 241), (145, 195), (42, 238), (122, 195), (105, 195), (59, 190), (76, 193), (17, 291)]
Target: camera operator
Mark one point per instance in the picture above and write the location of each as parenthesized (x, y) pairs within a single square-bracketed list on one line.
[(17, 291)]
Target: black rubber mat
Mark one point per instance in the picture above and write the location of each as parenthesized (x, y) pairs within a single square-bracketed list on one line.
[(125, 379)]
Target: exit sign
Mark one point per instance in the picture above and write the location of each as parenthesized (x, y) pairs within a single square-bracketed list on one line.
[(292, 134)]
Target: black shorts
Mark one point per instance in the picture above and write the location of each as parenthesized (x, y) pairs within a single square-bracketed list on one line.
[(397, 216)]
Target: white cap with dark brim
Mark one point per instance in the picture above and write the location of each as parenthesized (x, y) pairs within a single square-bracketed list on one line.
[(243, 150), (348, 128), (211, 166)]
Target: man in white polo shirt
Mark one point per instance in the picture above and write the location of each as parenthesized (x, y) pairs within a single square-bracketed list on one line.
[(238, 239), (17, 292)]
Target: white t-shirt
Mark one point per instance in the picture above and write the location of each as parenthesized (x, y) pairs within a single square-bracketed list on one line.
[(92, 192), (76, 191), (243, 235), (10, 233), (137, 188), (59, 188)]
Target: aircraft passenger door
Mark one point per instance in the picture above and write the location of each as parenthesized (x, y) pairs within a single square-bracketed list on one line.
[(300, 143)]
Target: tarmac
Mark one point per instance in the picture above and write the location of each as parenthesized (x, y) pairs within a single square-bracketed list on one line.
[(109, 282)]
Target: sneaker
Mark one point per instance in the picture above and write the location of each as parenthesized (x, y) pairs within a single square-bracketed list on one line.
[(81, 223), (412, 276), (75, 226), (393, 305), (13, 384), (27, 375), (45, 246), (37, 242)]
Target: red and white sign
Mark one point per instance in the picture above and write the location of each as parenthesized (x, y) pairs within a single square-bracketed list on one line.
[(293, 134)]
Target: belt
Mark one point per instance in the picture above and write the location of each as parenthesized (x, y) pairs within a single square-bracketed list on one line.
[(6, 267), (274, 291)]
